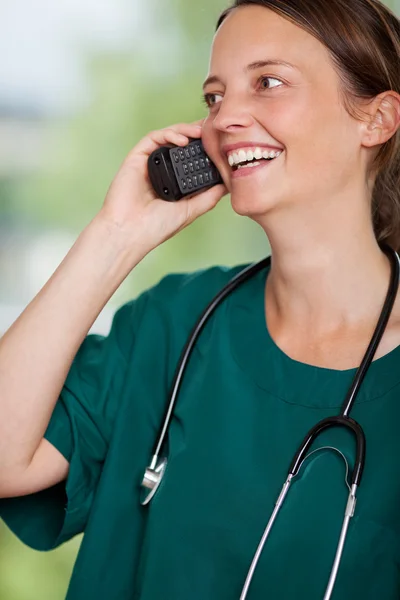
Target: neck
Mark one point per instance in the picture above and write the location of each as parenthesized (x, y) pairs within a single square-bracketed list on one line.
[(328, 270)]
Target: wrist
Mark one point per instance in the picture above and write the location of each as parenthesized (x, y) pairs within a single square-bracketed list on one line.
[(111, 247), (123, 242)]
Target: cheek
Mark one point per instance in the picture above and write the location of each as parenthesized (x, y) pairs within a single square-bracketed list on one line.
[(209, 140), (316, 134), (211, 145)]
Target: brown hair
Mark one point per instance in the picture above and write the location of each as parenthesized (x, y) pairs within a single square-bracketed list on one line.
[(363, 38)]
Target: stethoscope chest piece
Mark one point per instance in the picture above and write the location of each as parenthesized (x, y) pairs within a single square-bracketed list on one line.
[(152, 478), (155, 472)]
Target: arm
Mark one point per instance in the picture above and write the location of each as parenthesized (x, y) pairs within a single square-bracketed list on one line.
[(37, 351)]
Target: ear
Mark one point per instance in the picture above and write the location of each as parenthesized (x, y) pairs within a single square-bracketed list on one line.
[(383, 119)]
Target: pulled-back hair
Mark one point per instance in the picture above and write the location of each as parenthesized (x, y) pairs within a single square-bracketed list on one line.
[(363, 38)]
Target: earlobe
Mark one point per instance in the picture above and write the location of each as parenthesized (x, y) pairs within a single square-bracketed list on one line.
[(384, 119)]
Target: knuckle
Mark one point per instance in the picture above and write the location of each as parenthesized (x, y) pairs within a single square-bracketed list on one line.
[(177, 128)]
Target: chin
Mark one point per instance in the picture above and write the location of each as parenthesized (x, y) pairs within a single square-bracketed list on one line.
[(251, 205)]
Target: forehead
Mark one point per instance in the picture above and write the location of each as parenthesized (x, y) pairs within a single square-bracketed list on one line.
[(254, 32)]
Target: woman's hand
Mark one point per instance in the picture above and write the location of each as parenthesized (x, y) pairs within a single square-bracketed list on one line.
[(131, 204)]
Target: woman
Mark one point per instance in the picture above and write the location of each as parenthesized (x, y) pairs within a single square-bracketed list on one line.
[(318, 83)]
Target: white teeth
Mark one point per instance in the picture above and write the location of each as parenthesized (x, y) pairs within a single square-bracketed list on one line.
[(252, 164), (242, 155)]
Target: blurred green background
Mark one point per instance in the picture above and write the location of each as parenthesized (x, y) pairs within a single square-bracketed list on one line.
[(80, 84)]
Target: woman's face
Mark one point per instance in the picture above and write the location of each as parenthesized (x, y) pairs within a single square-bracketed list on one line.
[(293, 108)]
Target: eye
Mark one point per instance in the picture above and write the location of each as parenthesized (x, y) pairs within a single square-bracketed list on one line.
[(209, 99), (275, 82)]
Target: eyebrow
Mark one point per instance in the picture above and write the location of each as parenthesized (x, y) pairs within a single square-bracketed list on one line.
[(258, 64)]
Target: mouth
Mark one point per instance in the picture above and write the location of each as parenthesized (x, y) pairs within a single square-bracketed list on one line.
[(251, 163), (249, 167)]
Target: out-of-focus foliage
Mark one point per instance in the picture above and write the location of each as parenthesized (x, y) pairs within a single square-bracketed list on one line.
[(134, 94)]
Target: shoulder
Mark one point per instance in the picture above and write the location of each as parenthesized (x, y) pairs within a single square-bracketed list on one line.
[(177, 300), (193, 288)]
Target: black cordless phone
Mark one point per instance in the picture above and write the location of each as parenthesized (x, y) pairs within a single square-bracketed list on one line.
[(179, 171)]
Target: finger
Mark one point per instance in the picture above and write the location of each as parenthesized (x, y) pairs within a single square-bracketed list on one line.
[(177, 134), (199, 123)]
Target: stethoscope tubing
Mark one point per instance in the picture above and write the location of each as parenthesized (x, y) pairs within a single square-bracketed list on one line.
[(378, 333), (156, 470), (328, 423), (345, 421), (235, 282)]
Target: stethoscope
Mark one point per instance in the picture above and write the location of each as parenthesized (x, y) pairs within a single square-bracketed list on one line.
[(155, 472)]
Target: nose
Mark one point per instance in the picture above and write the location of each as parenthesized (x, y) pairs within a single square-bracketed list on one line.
[(233, 113)]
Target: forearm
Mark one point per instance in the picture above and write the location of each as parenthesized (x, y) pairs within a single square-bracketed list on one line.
[(37, 351)]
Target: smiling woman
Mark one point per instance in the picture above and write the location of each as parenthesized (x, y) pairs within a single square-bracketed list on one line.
[(308, 93), (361, 41)]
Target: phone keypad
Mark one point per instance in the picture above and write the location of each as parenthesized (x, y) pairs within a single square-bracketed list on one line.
[(193, 168)]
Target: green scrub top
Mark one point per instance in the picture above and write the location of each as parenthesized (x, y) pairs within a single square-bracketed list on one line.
[(243, 409)]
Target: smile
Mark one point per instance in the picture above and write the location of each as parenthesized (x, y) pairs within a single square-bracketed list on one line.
[(241, 157), (249, 167)]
